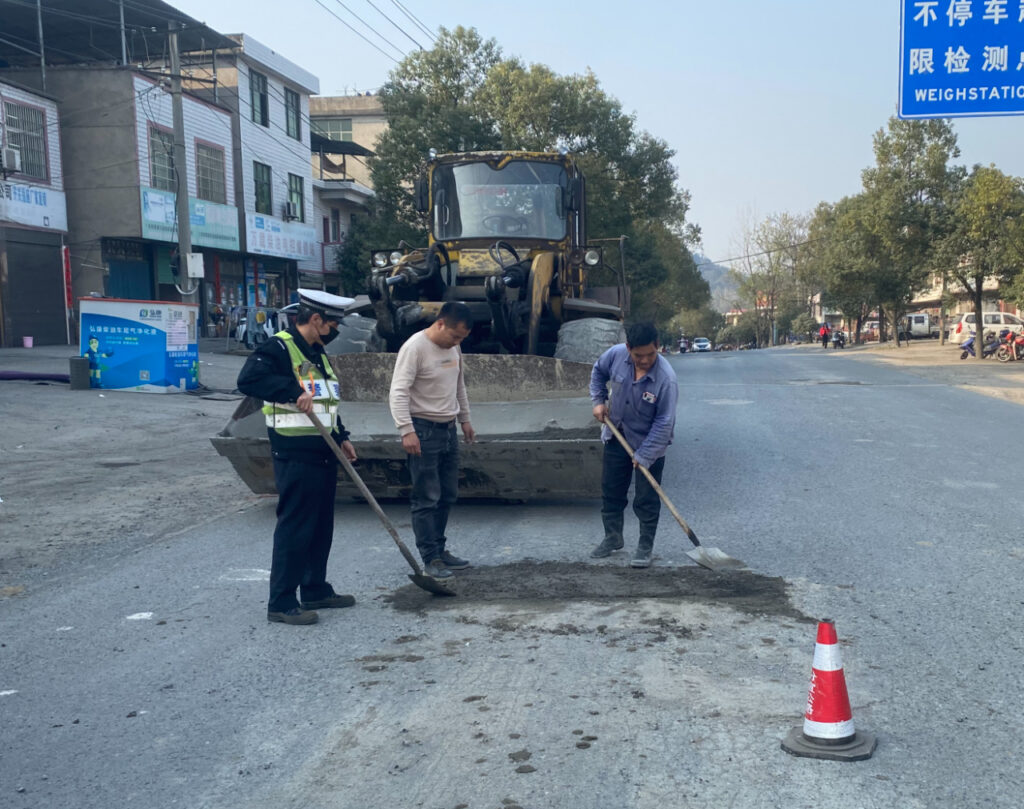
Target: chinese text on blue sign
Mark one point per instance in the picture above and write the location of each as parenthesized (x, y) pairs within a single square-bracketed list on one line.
[(961, 58)]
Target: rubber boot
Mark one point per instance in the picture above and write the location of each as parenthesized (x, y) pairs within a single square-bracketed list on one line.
[(612, 536), (642, 556)]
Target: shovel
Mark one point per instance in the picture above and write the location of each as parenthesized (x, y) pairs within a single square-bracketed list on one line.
[(711, 558), (418, 577)]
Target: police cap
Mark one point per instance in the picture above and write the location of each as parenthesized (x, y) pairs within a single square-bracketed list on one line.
[(328, 306)]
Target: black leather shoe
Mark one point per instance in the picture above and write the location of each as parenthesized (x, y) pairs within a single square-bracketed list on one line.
[(294, 616), (331, 602)]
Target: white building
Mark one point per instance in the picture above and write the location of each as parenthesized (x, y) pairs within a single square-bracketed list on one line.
[(269, 98)]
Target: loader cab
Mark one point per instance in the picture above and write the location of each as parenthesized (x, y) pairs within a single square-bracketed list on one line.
[(523, 200)]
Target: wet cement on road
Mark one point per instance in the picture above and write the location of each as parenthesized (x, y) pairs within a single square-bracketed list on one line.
[(558, 582)]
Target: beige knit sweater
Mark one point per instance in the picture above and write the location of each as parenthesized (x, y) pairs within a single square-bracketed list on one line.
[(427, 383)]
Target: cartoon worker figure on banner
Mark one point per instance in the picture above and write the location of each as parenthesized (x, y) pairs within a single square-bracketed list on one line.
[(95, 355)]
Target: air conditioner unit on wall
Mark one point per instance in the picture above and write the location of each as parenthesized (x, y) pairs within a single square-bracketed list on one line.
[(291, 210), (11, 160)]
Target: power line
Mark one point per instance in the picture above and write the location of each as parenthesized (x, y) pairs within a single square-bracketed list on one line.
[(364, 22), (358, 33), (395, 24), (414, 19), (763, 252)]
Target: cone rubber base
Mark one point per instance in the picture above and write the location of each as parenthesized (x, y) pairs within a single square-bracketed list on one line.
[(859, 749)]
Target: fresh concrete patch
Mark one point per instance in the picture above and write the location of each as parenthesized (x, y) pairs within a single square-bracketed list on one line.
[(554, 583)]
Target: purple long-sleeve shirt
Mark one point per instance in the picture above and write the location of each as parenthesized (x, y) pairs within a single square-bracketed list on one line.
[(644, 409)]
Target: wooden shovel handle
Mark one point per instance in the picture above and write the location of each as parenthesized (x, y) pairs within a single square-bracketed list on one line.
[(657, 487), (326, 435)]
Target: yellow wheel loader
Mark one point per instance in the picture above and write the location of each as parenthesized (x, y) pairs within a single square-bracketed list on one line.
[(507, 236)]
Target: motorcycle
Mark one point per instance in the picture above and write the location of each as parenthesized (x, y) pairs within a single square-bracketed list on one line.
[(1011, 346), (987, 350), (261, 329), (838, 339)]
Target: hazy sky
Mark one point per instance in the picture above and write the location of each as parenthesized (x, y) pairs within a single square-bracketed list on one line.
[(770, 105)]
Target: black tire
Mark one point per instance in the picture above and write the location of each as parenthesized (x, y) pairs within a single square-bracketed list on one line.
[(587, 339), (1003, 354)]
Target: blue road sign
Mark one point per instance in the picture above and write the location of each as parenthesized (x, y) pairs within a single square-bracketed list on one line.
[(961, 58)]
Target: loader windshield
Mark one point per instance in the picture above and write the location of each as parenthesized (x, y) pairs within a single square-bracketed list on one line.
[(522, 200)]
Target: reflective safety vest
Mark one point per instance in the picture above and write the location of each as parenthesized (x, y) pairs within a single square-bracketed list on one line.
[(287, 419)]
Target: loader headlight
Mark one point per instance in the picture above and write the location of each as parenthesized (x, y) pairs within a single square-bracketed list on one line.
[(592, 257), (395, 257), (380, 259)]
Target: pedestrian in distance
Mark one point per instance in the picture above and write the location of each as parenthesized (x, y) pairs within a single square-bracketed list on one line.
[(642, 405), (293, 376), (824, 332), (427, 399)]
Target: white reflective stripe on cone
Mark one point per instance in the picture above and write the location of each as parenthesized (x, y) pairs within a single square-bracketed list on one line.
[(828, 730), (827, 657)]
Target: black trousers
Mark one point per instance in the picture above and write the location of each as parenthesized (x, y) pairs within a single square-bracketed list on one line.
[(616, 473), (304, 532)]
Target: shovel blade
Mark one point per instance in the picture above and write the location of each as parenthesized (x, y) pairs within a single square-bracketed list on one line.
[(432, 585), (714, 559)]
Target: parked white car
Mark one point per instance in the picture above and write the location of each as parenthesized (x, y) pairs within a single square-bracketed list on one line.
[(961, 326)]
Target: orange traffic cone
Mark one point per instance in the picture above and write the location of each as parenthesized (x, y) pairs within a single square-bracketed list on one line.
[(828, 730)]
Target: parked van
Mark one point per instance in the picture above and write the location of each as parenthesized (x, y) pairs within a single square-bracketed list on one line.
[(918, 325)]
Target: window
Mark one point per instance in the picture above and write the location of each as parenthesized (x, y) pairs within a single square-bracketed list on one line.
[(261, 182), (161, 160), (26, 132), (210, 183), (258, 99), (295, 196), (292, 111), (333, 128), (335, 225)]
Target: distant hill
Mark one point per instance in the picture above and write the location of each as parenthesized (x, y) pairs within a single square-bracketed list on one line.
[(723, 290)]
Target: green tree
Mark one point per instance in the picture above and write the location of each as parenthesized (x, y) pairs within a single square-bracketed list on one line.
[(907, 198), (847, 258), (986, 240)]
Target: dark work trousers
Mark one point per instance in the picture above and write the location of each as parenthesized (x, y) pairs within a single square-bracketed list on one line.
[(305, 529), (435, 484), (616, 472)]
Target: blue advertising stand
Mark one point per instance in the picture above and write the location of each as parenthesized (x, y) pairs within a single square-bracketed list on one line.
[(961, 58), (142, 346)]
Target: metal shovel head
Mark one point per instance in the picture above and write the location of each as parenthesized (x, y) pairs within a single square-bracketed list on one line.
[(432, 585), (713, 558)]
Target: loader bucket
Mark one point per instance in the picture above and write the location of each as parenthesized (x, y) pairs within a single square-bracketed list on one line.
[(536, 437)]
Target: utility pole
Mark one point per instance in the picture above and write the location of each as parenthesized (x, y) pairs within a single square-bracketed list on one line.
[(180, 172), (42, 48)]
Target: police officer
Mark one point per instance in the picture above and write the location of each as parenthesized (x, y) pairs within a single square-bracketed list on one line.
[(293, 377)]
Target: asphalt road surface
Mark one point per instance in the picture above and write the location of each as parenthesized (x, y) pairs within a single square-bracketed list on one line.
[(141, 672)]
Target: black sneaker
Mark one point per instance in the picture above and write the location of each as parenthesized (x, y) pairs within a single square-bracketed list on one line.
[(453, 562), (331, 602), (436, 569), (294, 616), (606, 547)]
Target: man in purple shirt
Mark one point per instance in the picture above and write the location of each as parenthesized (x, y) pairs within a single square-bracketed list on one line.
[(642, 406)]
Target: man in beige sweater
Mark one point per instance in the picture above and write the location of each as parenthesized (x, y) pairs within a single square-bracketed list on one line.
[(428, 397)]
